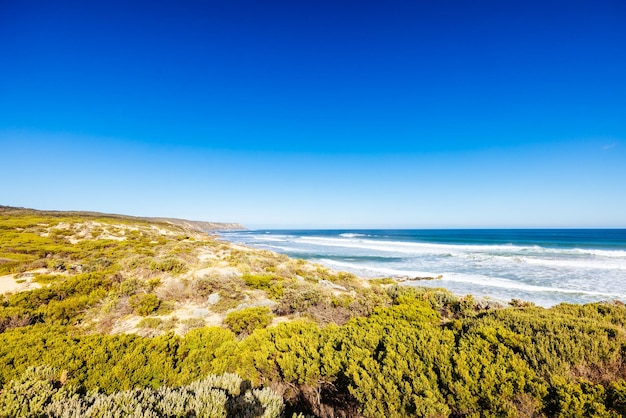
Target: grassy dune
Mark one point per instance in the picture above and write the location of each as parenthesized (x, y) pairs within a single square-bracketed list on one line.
[(104, 313)]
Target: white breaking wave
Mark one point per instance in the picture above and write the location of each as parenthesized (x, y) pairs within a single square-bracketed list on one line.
[(376, 270), (602, 253), (563, 262), (455, 249), (512, 284), (273, 238), (351, 235), (545, 275), (584, 264), (475, 279), (284, 248), (398, 247)]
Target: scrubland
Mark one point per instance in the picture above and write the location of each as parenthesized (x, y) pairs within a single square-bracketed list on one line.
[(106, 316)]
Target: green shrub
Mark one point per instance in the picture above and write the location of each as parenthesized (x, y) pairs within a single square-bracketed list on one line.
[(616, 395), (257, 281), (299, 299), (151, 323), (145, 305), (66, 311), (129, 287), (153, 283), (247, 320), (276, 291), (57, 265), (46, 278), (169, 265), (191, 323), (99, 264), (573, 399), (383, 281)]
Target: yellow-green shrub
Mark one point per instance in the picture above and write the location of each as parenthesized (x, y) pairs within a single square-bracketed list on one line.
[(145, 304), (247, 320)]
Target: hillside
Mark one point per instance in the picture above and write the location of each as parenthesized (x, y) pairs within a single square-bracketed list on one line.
[(198, 226), (154, 317), (190, 277)]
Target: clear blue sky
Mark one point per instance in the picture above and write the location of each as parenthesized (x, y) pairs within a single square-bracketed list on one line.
[(312, 114)]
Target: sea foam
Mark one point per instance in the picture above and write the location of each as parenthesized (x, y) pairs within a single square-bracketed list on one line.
[(547, 267)]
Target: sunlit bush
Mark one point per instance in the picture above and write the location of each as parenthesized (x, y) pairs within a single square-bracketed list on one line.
[(247, 320)]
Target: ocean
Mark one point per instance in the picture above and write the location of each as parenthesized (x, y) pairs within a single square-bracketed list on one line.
[(544, 266)]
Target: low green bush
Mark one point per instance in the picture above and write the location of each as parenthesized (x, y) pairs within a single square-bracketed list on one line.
[(47, 278), (299, 299), (169, 265), (151, 323), (144, 305), (245, 321), (258, 281)]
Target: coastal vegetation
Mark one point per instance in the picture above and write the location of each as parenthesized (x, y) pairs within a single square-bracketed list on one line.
[(111, 316)]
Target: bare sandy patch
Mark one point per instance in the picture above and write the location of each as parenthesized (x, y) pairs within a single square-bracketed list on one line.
[(112, 237), (126, 325), (9, 283), (195, 310), (162, 231), (205, 254)]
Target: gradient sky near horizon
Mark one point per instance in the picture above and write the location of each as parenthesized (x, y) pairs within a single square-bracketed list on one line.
[(339, 114)]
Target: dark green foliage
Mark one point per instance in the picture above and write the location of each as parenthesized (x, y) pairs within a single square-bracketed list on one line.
[(204, 351), (577, 399), (616, 396)]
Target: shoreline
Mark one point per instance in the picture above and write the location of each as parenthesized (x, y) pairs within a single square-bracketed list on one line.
[(542, 275)]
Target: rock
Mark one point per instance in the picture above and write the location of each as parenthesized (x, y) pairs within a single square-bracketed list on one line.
[(428, 278), (330, 285), (484, 304)]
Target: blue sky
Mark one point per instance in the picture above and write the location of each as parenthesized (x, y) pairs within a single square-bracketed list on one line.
[(318, 114)]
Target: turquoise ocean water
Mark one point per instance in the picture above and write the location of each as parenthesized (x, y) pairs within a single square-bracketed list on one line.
[(544, 266)]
